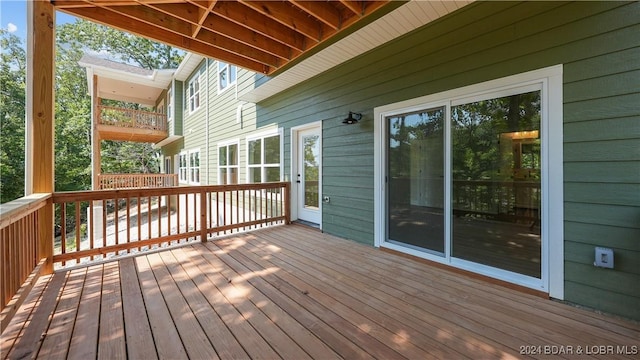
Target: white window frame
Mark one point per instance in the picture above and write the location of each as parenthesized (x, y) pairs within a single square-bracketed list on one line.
[(226, 67), (261, 136), (549, 82), (183, 167), (237, 166), (169, 104), (195, 95), (167, 169), (185, 173)]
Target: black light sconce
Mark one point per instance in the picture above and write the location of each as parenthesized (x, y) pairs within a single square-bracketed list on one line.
[(352, 118)]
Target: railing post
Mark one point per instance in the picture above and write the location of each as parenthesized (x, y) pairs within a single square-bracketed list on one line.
[(287, 203), (204, 228), (45, 235)]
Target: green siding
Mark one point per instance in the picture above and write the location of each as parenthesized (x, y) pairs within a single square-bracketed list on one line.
[(598, 44)]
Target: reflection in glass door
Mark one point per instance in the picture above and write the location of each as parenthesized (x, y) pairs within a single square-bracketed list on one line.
[(308, 177), (415, 167), (496, 178)]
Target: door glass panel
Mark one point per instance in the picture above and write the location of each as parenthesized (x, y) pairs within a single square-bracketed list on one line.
[(311, 171), (415, 165), (496, 183)]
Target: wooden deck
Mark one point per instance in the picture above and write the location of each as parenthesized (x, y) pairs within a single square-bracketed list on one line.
[(292, 292)]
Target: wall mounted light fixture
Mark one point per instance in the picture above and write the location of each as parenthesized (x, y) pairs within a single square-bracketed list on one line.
[(352, 118)]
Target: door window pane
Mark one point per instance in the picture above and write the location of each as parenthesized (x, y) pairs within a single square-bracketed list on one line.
[(311, 170), (496, 183), (415, 153)]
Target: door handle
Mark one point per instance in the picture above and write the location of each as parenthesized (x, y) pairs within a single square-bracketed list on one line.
[(298, 181)]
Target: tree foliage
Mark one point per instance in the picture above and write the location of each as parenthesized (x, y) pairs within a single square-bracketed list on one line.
[(73, 106), (12, 112)]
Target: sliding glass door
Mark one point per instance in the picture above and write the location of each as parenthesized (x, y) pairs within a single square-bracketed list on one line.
[(415, 150), (496, 182), (464, 180)]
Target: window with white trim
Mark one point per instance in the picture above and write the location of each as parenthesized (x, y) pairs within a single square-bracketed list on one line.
[(194, 167), (189, 167), (227, 75), (169, 105), (193, 92), (263, 159), (183, 167), (228, 163)]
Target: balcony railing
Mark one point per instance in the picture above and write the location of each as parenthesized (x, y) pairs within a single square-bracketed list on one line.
[(128, 181), (130, 118), (20, 252), (99, 225)]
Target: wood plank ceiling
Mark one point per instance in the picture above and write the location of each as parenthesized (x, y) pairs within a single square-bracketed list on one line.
[(262, 36)]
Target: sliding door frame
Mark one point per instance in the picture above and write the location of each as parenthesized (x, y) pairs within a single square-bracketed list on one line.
[(549, 81)]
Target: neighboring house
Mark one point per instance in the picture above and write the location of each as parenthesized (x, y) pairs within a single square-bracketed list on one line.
[(500, 139)]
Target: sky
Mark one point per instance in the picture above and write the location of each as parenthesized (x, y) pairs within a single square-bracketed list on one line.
[(13, 17)]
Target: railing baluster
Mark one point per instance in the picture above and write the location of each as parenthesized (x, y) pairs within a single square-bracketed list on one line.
[(78, 230), (116, 220), (149, 218), (128, 221), (63, 227), (159, 205), (91, 228), (203, 216), (104, 225)]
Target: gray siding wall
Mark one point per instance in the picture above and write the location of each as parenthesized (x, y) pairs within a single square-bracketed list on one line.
[(598, 44)]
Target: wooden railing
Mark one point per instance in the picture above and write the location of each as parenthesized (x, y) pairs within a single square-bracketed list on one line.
[(507, 200), (131, 118), (98, 225), (20, 258), (128, 181)]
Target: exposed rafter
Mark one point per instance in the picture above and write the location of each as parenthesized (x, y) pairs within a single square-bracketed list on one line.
[(262, 36)]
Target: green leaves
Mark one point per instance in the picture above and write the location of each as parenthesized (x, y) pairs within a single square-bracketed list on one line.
[(12, 112)]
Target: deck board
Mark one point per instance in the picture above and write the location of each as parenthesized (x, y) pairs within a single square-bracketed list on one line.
[(86, 331), (111, 343), (139, 338), (292, 292), (165, 334), (56, 343)]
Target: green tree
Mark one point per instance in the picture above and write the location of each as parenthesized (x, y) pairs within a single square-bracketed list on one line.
[(74, 104), (12, 115)]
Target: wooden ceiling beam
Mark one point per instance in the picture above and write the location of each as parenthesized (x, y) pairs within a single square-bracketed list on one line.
[(185, 11), (239, 48), (222, 26), (369, 7), (152, 17), (323, 11), (143, 29), (355, 6), (261, 24), (69, 4), (202, 16), (161, 20), (289, 16)]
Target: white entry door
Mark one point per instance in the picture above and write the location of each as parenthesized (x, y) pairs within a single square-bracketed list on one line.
[(308, 174)]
